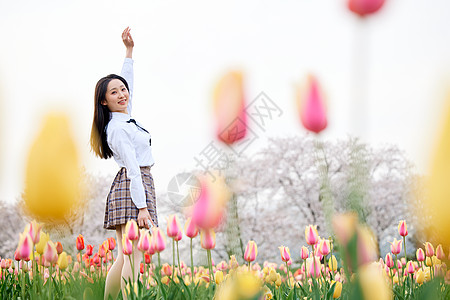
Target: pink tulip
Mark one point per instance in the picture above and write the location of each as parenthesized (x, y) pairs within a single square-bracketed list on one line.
[(304, 253), (50, 253), (208, 239), (158, 240), (420, 254), (190, 229), (132, 230), (25, 246), (179, 236), (285, 253), (440, 252), (365, 7), (34, 229), (402, 229), (396, 246), (173, 226), (410, 267), (429, 250), (324, 247), (229, 107), (313, 266), (127, 245), (251, 251), (144, 241), (399, 264), (389, 261), (311, 235), (311, 107)]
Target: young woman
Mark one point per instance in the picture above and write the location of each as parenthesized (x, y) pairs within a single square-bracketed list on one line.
[(115, 134)]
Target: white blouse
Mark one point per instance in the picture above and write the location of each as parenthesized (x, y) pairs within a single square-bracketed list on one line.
[(130, 145)]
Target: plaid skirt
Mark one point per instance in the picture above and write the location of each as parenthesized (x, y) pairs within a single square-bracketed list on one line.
[(119, 206)]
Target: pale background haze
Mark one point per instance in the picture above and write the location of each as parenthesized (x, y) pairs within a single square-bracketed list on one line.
[(53, 52)]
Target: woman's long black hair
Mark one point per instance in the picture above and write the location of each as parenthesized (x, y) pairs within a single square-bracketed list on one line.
[(102, 115)]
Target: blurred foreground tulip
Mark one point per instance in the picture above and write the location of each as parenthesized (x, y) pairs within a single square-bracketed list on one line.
[(344, 226), (438, 204), (52, 174), (311, 106), (374, 283), (229, 108), (365, 7), (210, 206)]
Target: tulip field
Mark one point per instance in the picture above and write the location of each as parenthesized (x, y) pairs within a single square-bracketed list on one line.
[(319, 268)]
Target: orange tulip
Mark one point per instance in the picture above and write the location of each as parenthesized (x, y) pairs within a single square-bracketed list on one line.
[(59, 248), (102, 250), (111, 243), (229, 108)]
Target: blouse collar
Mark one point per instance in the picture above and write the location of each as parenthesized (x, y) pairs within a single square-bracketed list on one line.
[(120, 116)]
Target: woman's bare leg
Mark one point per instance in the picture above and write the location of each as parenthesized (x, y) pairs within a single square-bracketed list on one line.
[(114, 277), (126, 270)]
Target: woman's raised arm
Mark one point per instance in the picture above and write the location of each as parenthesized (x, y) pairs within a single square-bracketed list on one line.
[(128, 42)]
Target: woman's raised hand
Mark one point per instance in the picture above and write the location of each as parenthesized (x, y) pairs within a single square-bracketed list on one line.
[(127, 39)]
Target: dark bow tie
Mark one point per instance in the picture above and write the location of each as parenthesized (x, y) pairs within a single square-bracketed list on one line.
[(134, 122)]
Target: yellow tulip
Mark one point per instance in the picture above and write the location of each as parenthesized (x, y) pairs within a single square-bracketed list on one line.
[(52, 173), (165, 280), (278, 281), (337, 289), (44, 238), (420, 276), (332, 263), (63, 261), (373, 283), (272, 275), (218, 277), (267, 293)]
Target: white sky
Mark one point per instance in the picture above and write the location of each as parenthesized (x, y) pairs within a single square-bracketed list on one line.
[(53, 53)]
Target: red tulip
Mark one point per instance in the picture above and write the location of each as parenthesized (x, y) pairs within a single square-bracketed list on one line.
[(96, 259), (111, 243), (365, 7), (80, 242), (311, 107), (229, 107), (147, 258), (89, 250)]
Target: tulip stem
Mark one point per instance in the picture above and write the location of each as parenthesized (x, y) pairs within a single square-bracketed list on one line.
[(192, 264), (211, 274), (287, 270), (392, 277), (173, 256), (23, 280), (398, 273), (179, 264)]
